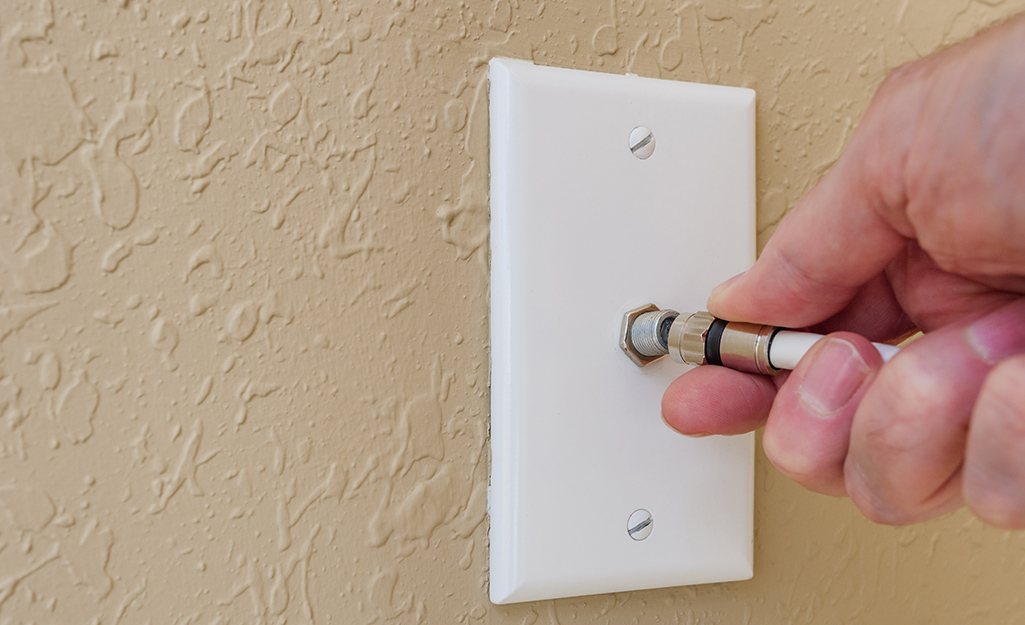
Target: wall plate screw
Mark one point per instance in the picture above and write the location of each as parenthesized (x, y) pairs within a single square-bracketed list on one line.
[(642, 142), (639, 525)]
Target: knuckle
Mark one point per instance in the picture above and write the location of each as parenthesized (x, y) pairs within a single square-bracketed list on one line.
[(907, 393), (869, 502), (995, 506), (805, 283), (994, 486), (896, 79), (893, 472), (954, 242), (946, 257), (880, 515), (799, 467)]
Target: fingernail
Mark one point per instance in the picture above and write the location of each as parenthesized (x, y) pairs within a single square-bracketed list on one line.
[(673, 428), (836, 374), (719, 290), (998, 335)]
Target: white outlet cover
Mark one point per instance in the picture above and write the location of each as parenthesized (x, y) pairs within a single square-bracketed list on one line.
[(583, 231)]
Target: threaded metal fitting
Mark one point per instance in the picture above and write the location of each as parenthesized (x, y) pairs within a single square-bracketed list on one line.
[(626, 340), (649, 332)]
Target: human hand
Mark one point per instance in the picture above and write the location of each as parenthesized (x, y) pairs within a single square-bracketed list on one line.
[(919, 225)]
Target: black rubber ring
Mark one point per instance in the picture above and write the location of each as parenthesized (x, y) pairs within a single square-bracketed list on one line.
[(712, 341)]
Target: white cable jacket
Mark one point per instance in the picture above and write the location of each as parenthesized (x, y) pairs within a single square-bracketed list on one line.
[(788, 347)]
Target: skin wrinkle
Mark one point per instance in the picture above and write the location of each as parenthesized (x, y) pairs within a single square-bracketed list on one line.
[(896, 273), (917, 280), (970, 247), (869, 504), (821, 286), (934, 230), (917, 386), (904, 386), (877, 510), (875, 311), (926, 202), (892, 210), (888, 208)]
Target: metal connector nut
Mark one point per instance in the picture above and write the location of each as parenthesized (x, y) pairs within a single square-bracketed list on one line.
[(687, 339)]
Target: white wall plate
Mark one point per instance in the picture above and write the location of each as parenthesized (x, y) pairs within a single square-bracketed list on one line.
[(582, 231)]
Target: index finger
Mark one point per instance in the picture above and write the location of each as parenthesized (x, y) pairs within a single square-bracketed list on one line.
[(840, 235)]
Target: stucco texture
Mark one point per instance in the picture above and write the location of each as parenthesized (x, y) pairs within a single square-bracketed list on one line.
[(243, 307)]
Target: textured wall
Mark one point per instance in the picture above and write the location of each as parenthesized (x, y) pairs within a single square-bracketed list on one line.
[(243, 307)]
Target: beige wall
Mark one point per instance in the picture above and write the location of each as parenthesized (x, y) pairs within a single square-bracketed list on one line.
[(243, 319)]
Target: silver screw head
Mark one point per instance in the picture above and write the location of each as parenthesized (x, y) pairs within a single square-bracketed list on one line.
[(639, 525), (642, 142)]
